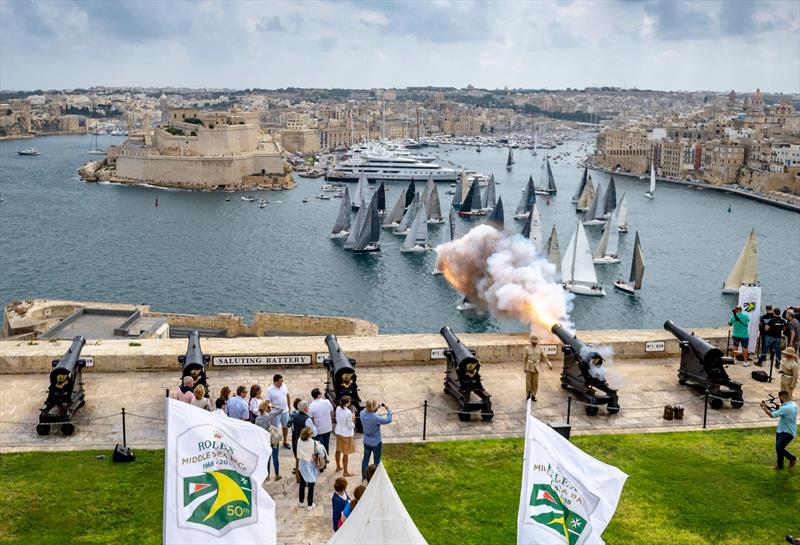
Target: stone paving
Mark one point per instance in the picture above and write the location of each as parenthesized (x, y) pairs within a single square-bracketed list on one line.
[(645, 387)]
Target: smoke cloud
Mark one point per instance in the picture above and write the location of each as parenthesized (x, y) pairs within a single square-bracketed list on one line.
[(505, 275)]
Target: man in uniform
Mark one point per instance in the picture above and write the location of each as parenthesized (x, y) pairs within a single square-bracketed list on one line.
[(790, 371), (533, 356)]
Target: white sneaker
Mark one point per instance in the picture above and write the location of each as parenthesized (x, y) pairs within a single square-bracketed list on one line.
[(746, 364), (312, 506), (300, 504)]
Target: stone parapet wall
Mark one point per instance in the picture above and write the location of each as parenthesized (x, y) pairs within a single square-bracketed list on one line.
[(267, 323), (18, 357)]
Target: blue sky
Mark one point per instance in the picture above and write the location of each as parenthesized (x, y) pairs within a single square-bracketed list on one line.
[(669, 44)]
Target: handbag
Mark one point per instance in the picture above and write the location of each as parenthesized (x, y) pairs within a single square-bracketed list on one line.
[(320, 458)]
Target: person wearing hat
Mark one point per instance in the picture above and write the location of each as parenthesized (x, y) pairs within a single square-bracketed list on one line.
[(790, 371), (532, 357)]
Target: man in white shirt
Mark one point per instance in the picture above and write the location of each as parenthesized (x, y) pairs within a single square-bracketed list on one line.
[(278, 396), (322, 414), (221, 405)]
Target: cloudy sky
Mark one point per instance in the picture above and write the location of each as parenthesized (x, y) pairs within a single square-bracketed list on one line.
[(669, 44)]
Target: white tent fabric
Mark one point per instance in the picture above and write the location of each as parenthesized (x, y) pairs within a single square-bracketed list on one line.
[(380, 518)]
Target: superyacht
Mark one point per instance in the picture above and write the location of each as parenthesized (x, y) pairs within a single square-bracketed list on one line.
[(385, 165)]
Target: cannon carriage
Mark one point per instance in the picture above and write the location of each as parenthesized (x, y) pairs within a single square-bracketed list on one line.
[(462, 379), (341, 378), (65, 394), (194, 362), (582, 372), (703, 367)]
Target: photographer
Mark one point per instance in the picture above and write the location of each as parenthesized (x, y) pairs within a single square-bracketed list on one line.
[(371, 421), (741, 334), (787, 427)]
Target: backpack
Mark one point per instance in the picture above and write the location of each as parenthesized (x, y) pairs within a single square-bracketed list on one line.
[(760, 376)]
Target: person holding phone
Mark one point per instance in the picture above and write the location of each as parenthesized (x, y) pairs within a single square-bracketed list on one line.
[(371, 421)]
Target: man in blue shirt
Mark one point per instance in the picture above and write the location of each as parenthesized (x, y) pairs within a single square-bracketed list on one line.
[(371, 421), (787, 427), (237, 406), (740, 334)]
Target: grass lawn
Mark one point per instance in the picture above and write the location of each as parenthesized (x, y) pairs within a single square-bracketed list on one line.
[(684, 488)]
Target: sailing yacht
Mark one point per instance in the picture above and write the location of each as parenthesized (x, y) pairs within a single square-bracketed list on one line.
[(577, 270), (408, 217), (381, 193), (576, 197), (532, 230), (610, 198), (472, 202), (461, 190), (622, 214), (637, 270), (370, 231), (587, 196), (433, 207), (395, 215), (510, 160), (417, 238), (652, 192), (341, 228), (526, 202), (489, 196), (361, 192), (597, 210), (96, 150), (356, 226), (553, 252), (497, 219), (451, 231), (607, 248), (745, 270), (547, 172)]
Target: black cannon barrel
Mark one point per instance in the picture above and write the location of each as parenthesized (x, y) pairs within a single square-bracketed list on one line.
[(461, 353), (68, 363), (340, 363), (704, 350), (581, 349), (194, 358)]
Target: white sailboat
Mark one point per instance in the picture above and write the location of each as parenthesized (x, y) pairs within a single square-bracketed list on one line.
[(417, 238), (361, 192), (637, 270), (553, 251), (395, 215), (96, 150), (434, 207), (341, 228), (577, 270), (607, 248), (745, 270), (587, 196), (652, 192), (622, 214), (489, 198), (576, 197), (597, 210)]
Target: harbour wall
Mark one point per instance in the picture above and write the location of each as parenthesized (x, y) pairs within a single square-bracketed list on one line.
[(268, 353)]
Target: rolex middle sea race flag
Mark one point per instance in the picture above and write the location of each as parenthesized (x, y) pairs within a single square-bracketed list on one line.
[(567, 496), (213, 470)]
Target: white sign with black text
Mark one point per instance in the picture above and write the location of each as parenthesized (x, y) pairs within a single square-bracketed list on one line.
[(295, 359), (438, 353), (654, 346)]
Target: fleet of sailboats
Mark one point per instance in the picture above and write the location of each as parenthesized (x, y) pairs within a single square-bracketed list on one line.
[(745, 270)]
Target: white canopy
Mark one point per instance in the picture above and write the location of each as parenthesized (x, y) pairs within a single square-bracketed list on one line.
[(380, 518)]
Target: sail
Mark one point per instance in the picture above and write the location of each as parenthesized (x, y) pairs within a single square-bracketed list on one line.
[(528, 199), (410, 192), (510, 160), (553, 252), (408, 217), (381, 193), (577, 265), (536, 229), (581, 185), (587, 195), (551, 181), (613, 237), (472, 202), (434, 208), (622, 213), (426, 192), (611, 197), (418, 233), (356, 227), (461, 190), (526, 229), (452, 224), (490, 195), (637, 265), (652, 179), (362, 188), (600, 251), (745, 270), (343, 217), (496, 218), (594, 212), (396, 213), (370, 231)]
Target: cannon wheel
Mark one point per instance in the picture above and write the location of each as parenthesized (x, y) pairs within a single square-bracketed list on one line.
[(487, 417), (464, 416), (43, 429), (737, 403), (592, 409), (613, 409), (715, 402), (67, 429), (681, 380)]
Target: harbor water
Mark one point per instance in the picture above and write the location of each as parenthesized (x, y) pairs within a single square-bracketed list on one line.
[(197, 253)]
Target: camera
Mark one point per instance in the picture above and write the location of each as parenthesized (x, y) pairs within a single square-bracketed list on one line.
[(383, 405), (771, 403)]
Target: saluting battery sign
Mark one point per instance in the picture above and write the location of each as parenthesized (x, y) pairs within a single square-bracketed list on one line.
[(301, 359)]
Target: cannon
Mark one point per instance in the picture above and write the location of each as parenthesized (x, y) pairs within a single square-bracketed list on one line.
[(703, 367), (194, 362), (582, 372), (65, 394), (462, 379), (341, 380)]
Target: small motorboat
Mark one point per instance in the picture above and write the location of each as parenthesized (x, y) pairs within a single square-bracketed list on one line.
[(323, 197), (262, 204), (305, 199), (249, 198), (227, 199), (620, 284), (29, 151)]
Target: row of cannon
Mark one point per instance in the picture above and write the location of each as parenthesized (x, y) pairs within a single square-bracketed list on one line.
[(702, 366)]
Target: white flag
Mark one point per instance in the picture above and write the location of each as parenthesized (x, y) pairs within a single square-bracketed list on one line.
[(567, 496), (213, 470), (750, 301)]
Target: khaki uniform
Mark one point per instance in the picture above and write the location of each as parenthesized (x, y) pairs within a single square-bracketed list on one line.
[(533, 356), (790, 372)]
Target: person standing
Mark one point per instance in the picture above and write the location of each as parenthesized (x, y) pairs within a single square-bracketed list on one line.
[(773, 330), (762, 321), (237, 406), (255, 402), (741, 334), (345, 430), (265, 420), (186, 392), (307, 467), (793, 331), (321, 411), (530, 360), (787, 427), (225, 393), (371, 422), (790, 371), (339, 501), (302, 420), (222, 405), (278, 397), (199, 398)]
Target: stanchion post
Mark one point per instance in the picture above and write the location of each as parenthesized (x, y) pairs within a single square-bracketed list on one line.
[(569, 407), (705, 410), (771, 364), (167, 393), (424, 419), (124, 437)]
